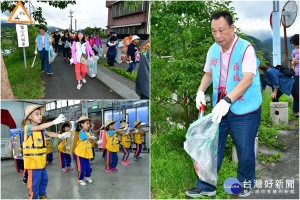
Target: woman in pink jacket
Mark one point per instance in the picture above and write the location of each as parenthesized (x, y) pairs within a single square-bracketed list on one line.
[(91, 39), (79, 48)]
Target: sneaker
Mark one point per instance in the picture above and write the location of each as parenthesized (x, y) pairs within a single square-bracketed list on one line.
[(21, 170), (88, 179), (135, 158), (93, 162), (83, 80), (245, 192), (79, 86), (124, 163), (43, 70), (140, 157), (108, 170), (64, 170), (81, 182), (296, 114), (197, 192), (70, 168), (43, 197), (128, 162), (25, 180), (114, 169), (49, 72), (50, 163)]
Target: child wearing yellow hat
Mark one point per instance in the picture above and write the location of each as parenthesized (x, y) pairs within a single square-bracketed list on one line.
[(64, 158), (138, 139), (125, 142), (83, 151), (112, 146), (34, 148)]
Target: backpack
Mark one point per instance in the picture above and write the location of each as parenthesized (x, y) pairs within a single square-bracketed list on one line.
[(285, 70)]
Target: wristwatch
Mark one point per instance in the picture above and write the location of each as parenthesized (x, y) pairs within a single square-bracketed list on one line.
[(227, 99)]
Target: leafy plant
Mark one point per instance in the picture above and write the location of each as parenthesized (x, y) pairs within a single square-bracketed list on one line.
[(268, 158), (120, 71)]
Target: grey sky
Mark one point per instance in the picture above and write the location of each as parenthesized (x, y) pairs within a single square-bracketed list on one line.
[(254, 18), (87, 12)]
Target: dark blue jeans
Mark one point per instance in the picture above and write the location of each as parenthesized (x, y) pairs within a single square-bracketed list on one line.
[(44, 55), (295, 93), (243, 130), (131, 67)]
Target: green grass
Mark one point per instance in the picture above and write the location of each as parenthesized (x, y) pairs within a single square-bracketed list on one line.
[(268, 158), (120, 71), (268, 131), (172, 171), (26, 84)]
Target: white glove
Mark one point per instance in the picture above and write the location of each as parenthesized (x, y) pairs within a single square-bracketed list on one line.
[(220, 110), (93, 138), (35, 52), (200, 99), (130, 61), (99, 142), (126, 127), (104, 55), (71, 61), (64, 135), (61, 118)]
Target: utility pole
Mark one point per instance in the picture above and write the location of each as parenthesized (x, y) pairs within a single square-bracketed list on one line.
[(276, 34), (75, 24), (71, 12)]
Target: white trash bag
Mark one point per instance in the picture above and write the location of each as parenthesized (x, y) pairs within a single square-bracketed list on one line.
[(52, 55), (92, 68), (202, 145)]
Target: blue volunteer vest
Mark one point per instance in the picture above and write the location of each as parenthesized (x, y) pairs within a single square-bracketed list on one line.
[(40, 42), (252, 98)]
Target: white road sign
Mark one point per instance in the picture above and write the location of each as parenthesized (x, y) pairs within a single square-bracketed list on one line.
[(22, 32)]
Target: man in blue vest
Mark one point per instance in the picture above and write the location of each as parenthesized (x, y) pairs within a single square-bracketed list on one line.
[(232, 67), (42, 44)]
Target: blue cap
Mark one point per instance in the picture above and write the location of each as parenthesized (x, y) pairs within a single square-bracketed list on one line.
[(113, 32), (80, 31)]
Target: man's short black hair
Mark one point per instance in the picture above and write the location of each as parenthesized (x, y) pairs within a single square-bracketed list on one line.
[(227, 16), (41, 28), (295, 39)]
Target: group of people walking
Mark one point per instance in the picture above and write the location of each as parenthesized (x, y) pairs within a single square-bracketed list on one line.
[(37, 147)]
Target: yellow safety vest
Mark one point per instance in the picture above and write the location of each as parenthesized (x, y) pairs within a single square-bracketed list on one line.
[(49, 146), (126, 141), (112, 143), (84, 148), (138, 138), (61, 147), (34, 150)]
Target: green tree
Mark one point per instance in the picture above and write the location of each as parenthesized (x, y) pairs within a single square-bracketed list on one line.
[(95, 30), (181, 36), (38, 13)]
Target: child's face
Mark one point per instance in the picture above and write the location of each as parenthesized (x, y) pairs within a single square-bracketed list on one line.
[(138, 126), (67, 128), (35, 117), (111, 127), (86, 125)]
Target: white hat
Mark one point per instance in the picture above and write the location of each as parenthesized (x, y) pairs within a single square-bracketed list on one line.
[(56, 29), (135, 37)]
